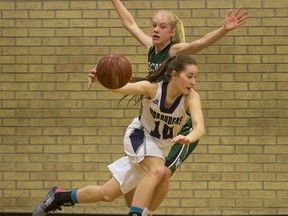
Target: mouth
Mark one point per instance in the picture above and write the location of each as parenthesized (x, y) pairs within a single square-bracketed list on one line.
[(155, 37)]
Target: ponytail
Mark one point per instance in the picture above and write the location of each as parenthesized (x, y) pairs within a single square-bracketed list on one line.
[(180, 33), (152, 77), (156, 75)]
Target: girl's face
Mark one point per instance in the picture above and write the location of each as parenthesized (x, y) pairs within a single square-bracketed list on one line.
[(186, 79), (161, 29)]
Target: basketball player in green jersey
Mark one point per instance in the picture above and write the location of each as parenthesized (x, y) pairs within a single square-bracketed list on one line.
[(168, 39)]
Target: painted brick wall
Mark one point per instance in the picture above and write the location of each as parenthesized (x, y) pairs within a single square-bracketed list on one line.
[(55, 132)]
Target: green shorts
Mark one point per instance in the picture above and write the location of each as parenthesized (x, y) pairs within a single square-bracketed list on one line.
[(180, 152)]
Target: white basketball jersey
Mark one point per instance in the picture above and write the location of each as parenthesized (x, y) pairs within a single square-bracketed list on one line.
[(160, 122)]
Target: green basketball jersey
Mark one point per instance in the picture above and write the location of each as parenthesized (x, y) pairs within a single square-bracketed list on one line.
[(155, 60)]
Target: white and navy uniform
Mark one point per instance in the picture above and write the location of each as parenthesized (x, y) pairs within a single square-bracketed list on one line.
[(149, 134)]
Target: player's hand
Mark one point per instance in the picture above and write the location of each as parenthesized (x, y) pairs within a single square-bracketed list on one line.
[(181, 139), (92, 77), (233, 21)]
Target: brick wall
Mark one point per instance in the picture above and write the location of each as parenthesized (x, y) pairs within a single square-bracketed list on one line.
[(55, 132)]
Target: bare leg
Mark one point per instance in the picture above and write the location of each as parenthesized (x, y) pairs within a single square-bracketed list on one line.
[(129, 197), (160, 191), (107, 192), (155, 169), (159, 194)]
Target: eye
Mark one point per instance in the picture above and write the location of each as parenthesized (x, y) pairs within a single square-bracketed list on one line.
[(191, 76)]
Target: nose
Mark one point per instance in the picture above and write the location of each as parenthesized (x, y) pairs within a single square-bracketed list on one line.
[(193, 81), (155, 28)]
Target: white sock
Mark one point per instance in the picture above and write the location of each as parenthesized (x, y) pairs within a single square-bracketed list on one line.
[(147, 212)]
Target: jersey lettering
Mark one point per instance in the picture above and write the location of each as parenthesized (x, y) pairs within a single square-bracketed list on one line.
[(167, 132), (153, 66), (167, 119)]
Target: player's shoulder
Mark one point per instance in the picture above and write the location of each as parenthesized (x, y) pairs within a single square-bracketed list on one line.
[(148, 87), (192, 99), (193, 95), (176, 48), (147, 83)]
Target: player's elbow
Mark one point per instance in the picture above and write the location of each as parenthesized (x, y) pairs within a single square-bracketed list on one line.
[(129, 25), (204, 132), (190, 49), (201, 131)]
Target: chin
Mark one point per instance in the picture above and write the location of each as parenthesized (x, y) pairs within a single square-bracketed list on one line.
[(187, 91), (156, 41)]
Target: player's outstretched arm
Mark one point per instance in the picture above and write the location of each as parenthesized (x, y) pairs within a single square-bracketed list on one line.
[(194, 106), (231, 22), (144, 88), (130, 24)]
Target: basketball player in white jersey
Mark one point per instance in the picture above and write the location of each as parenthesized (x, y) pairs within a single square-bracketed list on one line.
[(165, 108)]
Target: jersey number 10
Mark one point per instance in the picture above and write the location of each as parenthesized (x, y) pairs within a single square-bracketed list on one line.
[(167, 131)]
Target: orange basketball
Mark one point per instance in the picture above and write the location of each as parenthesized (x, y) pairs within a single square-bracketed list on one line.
[(114, 71)]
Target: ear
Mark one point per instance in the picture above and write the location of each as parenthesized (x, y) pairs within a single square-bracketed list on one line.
[(173, 32), (174, 74)]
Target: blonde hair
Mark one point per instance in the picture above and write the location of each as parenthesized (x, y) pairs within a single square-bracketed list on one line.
[(177, 24)]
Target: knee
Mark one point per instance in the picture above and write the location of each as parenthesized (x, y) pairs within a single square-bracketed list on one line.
[(166, 176), (108, 198), (158, 172)]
